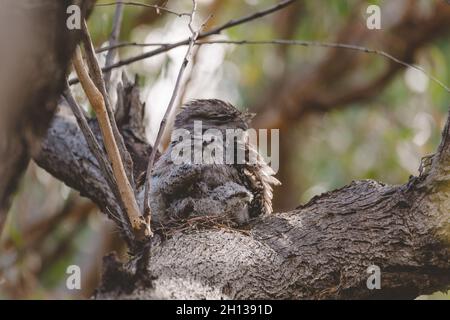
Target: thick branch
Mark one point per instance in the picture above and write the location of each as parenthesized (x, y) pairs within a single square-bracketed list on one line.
[(320, 250)]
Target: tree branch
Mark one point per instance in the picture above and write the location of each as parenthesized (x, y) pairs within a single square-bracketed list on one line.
[(303, 43), (145, 5), (217, 30), (104, 165), (67, 155), (168, 111), (113, 39), (319, 250), (97, 77), (98, 104)]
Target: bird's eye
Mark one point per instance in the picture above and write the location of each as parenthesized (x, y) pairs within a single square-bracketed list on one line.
[(222, 117)]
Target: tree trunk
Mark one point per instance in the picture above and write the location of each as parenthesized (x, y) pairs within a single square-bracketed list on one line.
[(35, 53)]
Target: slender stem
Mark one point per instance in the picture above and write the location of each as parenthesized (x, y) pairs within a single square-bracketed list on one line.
[(113, 40), (217, 30), (302, 43), (97, 77), (98, 104), (163, 124), (146, 5), (101, 157)]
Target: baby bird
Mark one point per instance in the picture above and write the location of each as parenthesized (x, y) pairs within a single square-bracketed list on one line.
[(200, 173)]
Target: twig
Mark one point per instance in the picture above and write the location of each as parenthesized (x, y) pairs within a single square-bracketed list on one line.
[(183, 91), (98, 104), (330, 45), (97, 77), (132, 44), (140, 4), (100, 156), (113, 39), (195, 34), (217, 30), (92, 142), (302, 43)]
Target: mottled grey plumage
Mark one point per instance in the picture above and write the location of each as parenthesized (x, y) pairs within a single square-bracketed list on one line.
[(235, 192)]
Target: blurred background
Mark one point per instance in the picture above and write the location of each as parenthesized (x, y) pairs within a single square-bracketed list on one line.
[(342, 115)]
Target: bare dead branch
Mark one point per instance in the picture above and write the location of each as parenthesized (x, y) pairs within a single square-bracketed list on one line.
[(333, 45), (165, 140), (102, 161), (97, 78), (83, 172), (113, 39), (92, 142), (131, 44), (158, 9), (126, 192), (162, 126), (217, 30), (302, 43)]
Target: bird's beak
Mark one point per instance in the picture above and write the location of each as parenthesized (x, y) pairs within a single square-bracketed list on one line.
[(249, 116)]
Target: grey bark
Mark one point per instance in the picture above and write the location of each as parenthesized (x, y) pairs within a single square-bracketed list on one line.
[(317, 251), (35, 54)]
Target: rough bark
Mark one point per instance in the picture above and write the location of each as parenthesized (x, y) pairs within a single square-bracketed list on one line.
[(320, 250), (35, 53)]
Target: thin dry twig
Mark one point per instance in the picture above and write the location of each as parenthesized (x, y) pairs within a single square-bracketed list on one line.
[(302, 43), (97, 77), (183, 92), (330, 45), (92, 142), (195, 34), (165, 140), (132, 44), (98, 104), (217, 30), (101, 157), (113, 39), (163, 47), (140, 4)]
